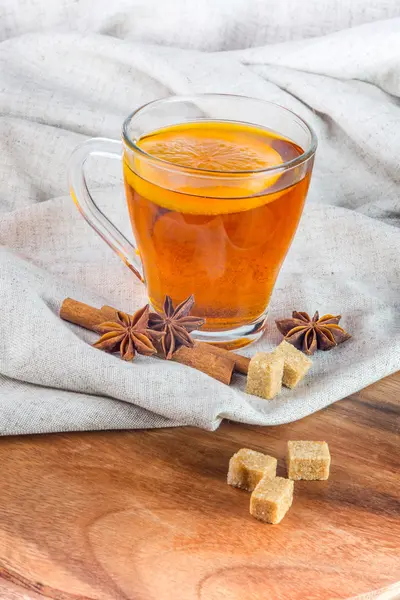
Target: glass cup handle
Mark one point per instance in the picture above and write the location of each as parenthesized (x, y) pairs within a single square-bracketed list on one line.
[(87, 206)]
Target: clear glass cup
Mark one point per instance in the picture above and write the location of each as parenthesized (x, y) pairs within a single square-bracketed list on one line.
[(220, 234)]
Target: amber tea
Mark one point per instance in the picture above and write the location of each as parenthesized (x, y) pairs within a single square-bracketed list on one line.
[(223, 244)]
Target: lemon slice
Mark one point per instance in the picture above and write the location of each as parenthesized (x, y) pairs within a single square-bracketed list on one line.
[(213, 155), (204, 165)]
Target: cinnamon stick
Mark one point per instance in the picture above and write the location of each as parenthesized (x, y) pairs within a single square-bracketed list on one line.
[(81, 314), (109, 312), (199, 357), (241, 363), (213, 361)]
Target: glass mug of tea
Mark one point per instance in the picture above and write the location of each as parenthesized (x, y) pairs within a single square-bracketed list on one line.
[(215, 186)]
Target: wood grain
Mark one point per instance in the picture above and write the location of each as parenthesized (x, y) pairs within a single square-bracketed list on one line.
[(148, 515)]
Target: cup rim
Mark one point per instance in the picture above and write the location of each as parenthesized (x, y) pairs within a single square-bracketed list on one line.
[(298, 160)]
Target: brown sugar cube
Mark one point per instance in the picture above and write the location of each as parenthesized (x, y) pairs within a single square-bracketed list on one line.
[(296, 364), (248, 467), (308, 460), (264, 378), (271, 499)]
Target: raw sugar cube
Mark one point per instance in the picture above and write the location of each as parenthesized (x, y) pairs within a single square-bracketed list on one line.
[(271, 499), (296, 364), (248, 467), (308, 460), (265, 374)]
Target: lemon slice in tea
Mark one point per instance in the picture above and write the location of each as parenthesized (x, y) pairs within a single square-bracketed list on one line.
[(221, 161)]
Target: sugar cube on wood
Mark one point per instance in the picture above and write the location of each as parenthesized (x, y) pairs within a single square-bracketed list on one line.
[(271, 499), (248, 467), (308, 460)]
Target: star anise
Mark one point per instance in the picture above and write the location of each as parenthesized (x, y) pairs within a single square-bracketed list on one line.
[(308, 334), (177, 325), (128, 335)]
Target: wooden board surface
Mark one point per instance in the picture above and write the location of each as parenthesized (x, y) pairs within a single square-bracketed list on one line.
[(148, 515)]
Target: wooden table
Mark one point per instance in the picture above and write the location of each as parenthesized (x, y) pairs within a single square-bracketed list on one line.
[(148, 515)]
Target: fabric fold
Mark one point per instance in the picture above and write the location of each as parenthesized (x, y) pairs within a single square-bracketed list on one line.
[(74, 76)]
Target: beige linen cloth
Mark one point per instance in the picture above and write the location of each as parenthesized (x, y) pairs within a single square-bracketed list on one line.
[(73, 70)]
